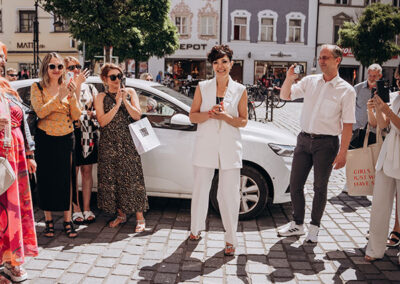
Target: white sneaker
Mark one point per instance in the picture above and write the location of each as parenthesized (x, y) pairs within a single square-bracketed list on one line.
[(312, 236), (291, 229)]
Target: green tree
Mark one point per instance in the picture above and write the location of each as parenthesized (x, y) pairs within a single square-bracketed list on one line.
[(371, 39), (135, 29)]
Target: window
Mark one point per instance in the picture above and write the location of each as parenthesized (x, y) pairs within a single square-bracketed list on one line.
[(26, 21), (343, 2), (294, 30), (396, 3), (267, 29), (295, 27), (267, 25), (207, 25), (240, 28), (367, 2), (60, 28), (240, 25), (181, 24), (338, 22)]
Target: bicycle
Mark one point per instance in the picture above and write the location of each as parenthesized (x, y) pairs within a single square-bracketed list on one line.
[(251, 109)]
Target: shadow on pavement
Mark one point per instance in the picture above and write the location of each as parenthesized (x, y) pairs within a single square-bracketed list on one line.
[(278, 265), (350, 203)]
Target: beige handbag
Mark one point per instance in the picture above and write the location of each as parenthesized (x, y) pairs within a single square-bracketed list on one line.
[(360, 166), (7, 175)]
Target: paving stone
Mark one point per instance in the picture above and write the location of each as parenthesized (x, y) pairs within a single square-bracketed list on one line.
[(114, 279), (165, 278), (79, 268), (52, 273), (60, 264), (71, 278)]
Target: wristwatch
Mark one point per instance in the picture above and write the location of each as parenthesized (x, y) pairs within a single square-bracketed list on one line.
[(30, 157)]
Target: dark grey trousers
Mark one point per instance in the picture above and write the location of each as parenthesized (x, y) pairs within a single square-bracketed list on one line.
[(319, 152)]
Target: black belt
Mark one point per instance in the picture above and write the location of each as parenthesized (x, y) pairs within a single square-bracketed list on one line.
[(317, 136)]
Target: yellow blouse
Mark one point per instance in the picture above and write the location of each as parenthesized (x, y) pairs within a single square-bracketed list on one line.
[(55, 117)]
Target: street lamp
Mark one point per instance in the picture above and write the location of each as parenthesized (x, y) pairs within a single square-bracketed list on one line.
[(36, 57)]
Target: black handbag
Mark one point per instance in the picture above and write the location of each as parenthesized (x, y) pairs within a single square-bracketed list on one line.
[(357, 139), (32, 118)]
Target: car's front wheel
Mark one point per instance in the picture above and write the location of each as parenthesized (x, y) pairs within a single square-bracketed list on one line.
[(253, 193)]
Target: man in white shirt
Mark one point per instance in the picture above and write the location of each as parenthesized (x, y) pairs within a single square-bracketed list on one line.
[(328, 111)]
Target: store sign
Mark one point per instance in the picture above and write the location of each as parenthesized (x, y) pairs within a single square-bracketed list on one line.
[(28, 44), (347, 52), (196, 46)]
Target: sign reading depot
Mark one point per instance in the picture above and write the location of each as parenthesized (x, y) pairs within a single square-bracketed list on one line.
[(195, 46)]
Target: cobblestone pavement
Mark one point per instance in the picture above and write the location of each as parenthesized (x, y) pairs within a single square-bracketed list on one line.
[(163, 254)]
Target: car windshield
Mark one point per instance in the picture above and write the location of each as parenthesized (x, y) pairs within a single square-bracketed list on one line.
[(186, 100)]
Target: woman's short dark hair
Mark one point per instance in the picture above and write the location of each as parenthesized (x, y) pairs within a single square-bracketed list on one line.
[(219, 51)]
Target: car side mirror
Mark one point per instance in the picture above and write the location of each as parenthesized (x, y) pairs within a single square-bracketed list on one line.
[(180, 119)]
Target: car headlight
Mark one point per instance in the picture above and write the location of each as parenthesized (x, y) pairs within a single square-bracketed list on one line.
[(282, 150)]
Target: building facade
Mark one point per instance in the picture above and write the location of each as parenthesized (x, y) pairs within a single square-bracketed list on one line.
[(198, 24), (332, 15), (267, 36), (16, 31)]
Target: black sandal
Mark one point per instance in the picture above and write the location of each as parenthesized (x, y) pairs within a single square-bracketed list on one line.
[(69, 230), (49, 229), (395, 239)]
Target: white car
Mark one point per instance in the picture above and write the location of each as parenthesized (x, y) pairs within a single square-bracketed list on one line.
[(267, 150)]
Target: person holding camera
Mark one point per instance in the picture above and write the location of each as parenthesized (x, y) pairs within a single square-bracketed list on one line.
[(387, 175), (121, 186), (56, 105), (328, 111)]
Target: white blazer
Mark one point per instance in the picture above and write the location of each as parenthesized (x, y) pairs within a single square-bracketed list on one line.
[(389, 156), (218, 145)]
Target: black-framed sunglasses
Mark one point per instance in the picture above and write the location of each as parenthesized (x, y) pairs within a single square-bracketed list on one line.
[(114, 77), (13, 75), (59, 66), (72, 67)]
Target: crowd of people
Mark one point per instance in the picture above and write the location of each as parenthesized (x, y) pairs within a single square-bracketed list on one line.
[(77, 126)]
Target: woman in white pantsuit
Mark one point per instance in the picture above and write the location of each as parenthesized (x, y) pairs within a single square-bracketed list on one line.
[(219, 108), (387, 176)]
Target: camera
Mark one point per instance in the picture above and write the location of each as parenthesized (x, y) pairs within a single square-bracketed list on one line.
[(299, 69), (382, 88)]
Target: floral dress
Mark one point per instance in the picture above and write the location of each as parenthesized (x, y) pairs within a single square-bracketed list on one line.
[(17, 227)]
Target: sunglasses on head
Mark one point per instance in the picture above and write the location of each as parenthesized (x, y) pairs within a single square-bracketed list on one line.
[(59, 66), (114, 77), (72, 67)]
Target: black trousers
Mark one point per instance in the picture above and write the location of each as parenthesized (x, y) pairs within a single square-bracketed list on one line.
[(319, 152)]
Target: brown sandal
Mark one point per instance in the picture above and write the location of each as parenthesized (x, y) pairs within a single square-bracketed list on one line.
[(193, 237), (119, 220), (229, 250)]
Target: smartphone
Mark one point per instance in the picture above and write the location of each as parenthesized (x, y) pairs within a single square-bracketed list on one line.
[(383, 90), (70, 76), (299, 69), (123, 82)]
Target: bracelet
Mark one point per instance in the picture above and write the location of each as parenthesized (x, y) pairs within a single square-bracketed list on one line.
[(30, 157)]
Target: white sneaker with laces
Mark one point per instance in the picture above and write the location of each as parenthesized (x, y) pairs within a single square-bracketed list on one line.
[(312, 236), (291, 229)]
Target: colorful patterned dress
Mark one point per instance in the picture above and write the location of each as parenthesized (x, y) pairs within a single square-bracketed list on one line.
[(17, 226)]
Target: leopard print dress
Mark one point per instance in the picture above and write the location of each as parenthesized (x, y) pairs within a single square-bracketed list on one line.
[(120, 175)]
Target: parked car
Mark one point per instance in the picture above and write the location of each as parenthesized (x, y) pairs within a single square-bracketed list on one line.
[(267, 150)]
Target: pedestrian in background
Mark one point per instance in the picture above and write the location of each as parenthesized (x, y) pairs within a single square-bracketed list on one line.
[(121, 188), (219, 108), (57, 106), (159, 77), (387, 175), (328, 111), (11, 74), (146, 77), (86, 140), (17, 226)]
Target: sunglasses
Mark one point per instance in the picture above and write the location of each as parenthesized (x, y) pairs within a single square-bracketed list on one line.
[(72, 67), (114, 77), (59, 66), (13, 75)]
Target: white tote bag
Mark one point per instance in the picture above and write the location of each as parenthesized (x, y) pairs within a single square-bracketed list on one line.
[(143, 135), (360, 166)]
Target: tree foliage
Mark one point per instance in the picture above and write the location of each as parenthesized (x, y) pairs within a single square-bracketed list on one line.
[(135, 29), (371, 39)]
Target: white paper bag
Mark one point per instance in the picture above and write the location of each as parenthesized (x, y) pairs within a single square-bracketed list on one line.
[(143, 136)]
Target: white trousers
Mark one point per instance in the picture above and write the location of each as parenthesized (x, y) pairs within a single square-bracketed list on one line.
[(228, 200), (382, 202)]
